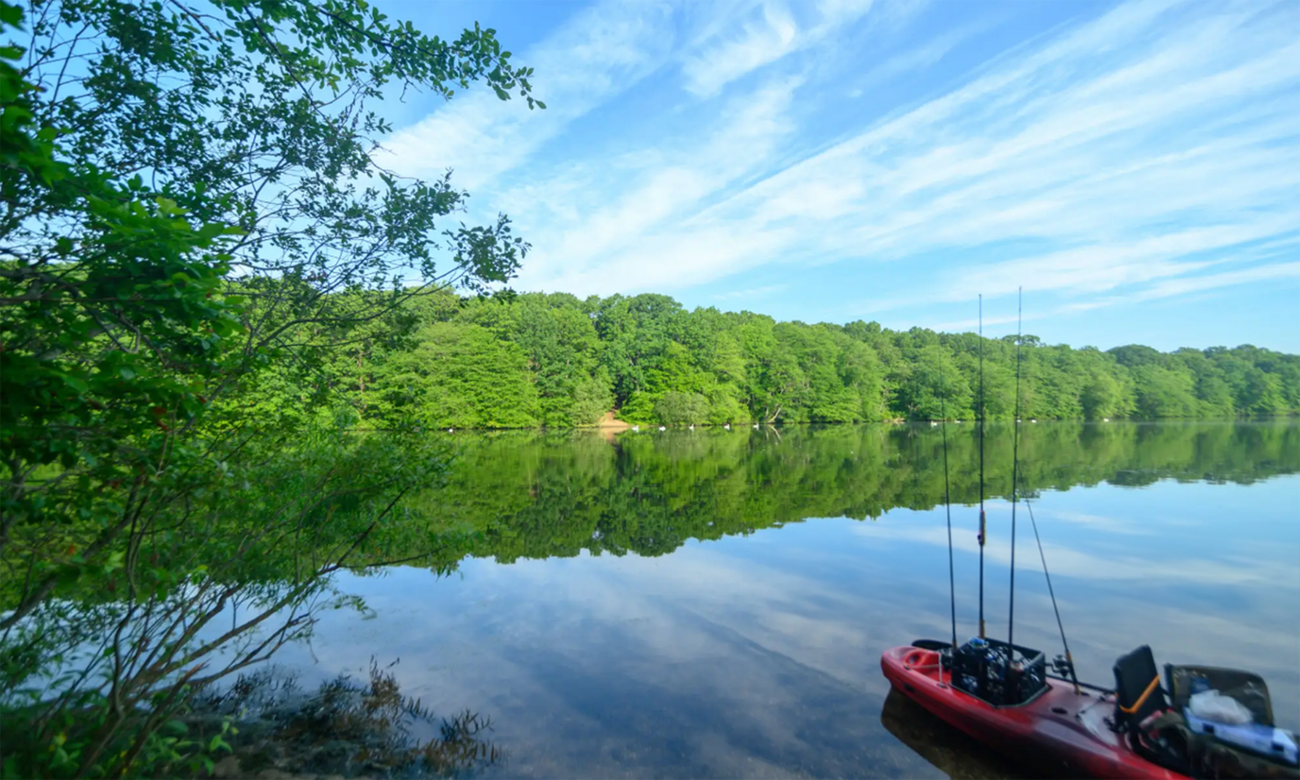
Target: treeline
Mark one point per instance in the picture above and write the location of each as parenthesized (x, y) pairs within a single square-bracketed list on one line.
[(517, 361)]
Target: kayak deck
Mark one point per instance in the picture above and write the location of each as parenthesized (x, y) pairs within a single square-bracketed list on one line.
[(1059, 731)]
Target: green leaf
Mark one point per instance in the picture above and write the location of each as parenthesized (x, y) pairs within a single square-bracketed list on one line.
[(174, 726)]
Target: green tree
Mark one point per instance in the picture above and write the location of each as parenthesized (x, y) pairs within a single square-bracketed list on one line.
[(1261, 394), (459, 376), (145, 152), (1101, 397), (934, 389), (1163, 392), (675, 408)]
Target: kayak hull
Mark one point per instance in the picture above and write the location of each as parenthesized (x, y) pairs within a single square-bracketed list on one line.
[(1058, 732)]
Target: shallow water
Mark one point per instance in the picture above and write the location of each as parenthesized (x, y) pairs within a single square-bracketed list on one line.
[(755, 652)]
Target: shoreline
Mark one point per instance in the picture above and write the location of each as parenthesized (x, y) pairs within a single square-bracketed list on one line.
[(613, 425)]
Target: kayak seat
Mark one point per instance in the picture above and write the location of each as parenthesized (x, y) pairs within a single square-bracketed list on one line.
[(1138, 694), (1142, 712)]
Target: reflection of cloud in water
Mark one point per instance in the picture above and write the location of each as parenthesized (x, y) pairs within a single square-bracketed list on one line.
[(1096, 522), (758, 656), (1076, 563), (610, 667)]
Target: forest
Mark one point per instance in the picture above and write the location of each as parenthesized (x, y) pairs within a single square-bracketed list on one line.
[(510, 360)]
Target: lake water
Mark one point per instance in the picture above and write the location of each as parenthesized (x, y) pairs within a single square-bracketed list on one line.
[(714, 604)]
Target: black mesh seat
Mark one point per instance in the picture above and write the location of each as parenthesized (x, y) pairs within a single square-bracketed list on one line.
[(1138, 694)]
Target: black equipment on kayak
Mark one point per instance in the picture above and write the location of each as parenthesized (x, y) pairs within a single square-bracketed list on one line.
[(999, 673)]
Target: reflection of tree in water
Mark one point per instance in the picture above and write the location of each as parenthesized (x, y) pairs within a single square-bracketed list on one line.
[(536, 496), (510, 496), (347, 727)]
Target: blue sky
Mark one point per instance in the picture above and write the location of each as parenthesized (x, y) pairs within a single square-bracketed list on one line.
[(1135, 166)]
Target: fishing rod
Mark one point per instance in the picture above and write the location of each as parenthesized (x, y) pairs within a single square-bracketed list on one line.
[(947, 504), (1015, 463), (1069, 659), (983, 521), (1015, 492)]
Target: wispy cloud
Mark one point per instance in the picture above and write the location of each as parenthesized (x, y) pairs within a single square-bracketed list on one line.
[(771, 31), (1166, 288), (760, 41), (1117, 157), (749, 294), (645, 227), (1142, 154), (589, 61)]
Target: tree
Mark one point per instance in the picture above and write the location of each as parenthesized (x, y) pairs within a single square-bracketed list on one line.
[(1163, 392), (1262, 394), (561, 344), (775, 384), (1101, 397), (147, 151), (460, 376), (934, 390)]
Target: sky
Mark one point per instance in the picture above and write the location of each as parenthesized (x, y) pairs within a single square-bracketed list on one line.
[(1134, 166)]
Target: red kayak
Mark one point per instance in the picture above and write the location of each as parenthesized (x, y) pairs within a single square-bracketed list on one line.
[(1059, 731)]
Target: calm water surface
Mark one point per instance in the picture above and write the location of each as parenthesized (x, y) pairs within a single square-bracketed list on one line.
[(715, 604)]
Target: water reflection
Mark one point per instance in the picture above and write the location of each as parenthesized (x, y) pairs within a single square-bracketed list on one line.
[(948, 749), (754, 651), (539, 496)]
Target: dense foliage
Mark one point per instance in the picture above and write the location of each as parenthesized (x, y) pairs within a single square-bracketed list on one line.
[(188, 197), (526, 360)]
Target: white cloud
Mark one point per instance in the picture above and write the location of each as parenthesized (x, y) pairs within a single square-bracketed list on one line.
[(761, 41), (1172, 287), (1145, 153), (646, 228), (1096, 162), (1165, 288), (751, 293), (594, 57), (770, 32)]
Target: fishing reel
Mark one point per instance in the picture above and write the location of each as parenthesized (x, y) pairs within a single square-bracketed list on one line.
[(1063, 667)]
